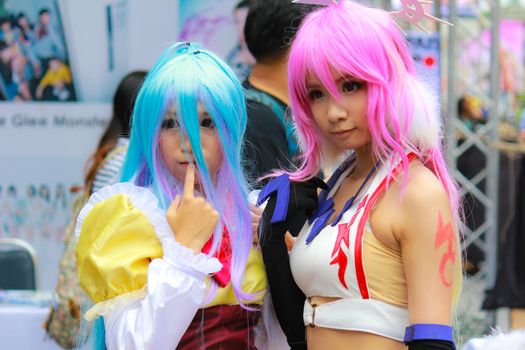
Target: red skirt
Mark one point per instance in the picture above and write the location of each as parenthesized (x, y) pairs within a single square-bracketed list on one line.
[(222, 327)]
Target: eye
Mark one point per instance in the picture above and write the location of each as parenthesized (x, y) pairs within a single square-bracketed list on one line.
[(315, 95), (351, 86), (207, 123), (169, 124)]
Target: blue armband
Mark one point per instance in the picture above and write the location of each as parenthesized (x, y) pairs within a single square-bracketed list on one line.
[(425, 331)]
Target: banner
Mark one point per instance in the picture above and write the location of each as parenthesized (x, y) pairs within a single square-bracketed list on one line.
[(424, 48), (218, 26), (43, 152)]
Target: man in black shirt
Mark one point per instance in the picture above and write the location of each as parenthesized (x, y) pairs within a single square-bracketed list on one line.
[(265, 141), (269, 142)]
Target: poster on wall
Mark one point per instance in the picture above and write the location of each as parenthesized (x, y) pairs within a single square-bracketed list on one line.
[(43, 152), (218, 26), (34, 63)]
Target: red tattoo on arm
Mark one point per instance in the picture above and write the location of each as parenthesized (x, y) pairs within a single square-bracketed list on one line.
[(445, 234)]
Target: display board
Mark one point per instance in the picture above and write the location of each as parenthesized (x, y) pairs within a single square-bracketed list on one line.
[(43, 152)]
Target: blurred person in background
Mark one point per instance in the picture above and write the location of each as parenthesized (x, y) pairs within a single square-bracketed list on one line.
[(115, 139), (269, 141), (240, 58), (47, 41), (56, 84)]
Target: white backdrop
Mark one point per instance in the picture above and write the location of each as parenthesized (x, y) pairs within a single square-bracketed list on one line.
[(43, 150)]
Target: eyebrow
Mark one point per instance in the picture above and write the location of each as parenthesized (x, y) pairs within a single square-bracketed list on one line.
[(173, 114), (313, 86), (344, 78)]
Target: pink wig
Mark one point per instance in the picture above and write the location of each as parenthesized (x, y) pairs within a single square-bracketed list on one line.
[(365, 43)]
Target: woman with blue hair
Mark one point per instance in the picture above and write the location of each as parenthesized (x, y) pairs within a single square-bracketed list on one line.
[(167, 256)]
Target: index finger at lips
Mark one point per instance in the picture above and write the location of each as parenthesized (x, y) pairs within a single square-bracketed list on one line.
[(189, 181)]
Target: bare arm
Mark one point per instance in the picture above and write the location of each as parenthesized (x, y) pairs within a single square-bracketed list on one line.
[(429, 248)]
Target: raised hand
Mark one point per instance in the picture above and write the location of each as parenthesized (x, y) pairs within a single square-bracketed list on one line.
[(192, 219), (301, 203)]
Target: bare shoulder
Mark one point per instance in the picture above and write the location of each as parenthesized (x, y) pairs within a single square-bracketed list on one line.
[(423, 200), (423, 188)]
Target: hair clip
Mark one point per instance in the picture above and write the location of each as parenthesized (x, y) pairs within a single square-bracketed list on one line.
[(411, 11), (196, 52)]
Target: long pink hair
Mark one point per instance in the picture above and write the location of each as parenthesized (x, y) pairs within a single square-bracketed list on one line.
[(403, 116)]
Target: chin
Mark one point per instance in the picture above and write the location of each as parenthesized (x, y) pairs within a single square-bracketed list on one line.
[(356, 144), (332, 155)]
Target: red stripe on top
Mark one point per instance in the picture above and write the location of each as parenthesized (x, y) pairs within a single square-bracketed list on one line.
[(343, 236), (358, 252)]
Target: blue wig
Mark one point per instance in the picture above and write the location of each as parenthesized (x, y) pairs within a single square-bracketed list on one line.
[(183, 76)]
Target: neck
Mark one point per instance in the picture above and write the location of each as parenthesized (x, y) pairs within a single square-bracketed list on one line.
[(364, 161), (271, 77)]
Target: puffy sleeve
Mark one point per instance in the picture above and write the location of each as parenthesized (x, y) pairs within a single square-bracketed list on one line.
[(146, 285)]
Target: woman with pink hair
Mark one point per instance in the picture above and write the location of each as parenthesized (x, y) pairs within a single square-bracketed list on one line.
[(378, 260)]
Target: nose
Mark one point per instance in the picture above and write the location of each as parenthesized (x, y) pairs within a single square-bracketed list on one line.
[(336, 111), (187, 146)]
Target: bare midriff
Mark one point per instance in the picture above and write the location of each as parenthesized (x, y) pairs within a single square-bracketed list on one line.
[(320, 338)]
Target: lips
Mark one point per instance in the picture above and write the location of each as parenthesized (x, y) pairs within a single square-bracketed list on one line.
[(186, 163), (342, 132)]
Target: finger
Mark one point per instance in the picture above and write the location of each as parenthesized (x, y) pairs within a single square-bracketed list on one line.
[(255, 234), (289, 241), (256, 210), (189, 181), (176, 202), (255, 220), (256, 216)]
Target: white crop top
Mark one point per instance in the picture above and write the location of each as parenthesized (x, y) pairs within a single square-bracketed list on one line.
[(331, 265)]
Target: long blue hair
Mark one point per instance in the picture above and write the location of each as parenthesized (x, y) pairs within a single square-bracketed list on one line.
[(183, 76)]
